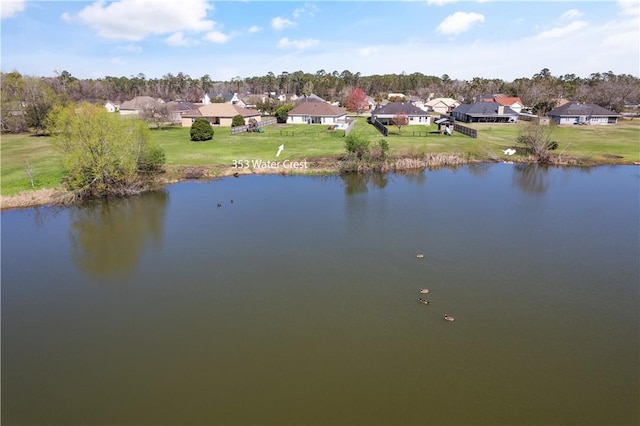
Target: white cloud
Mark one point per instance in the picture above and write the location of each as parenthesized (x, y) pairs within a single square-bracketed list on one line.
[(629, 7), (440, 2), (216, 37), (368, 51), (561, 32), (8, 8), (571, 14), (137, 19), (177, 39), (254, 29), (131, 48), (309, 8), (459, 22), (297, 44), (280, 23)]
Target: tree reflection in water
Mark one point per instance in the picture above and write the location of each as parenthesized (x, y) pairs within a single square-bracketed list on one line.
[(532, 178), (108, 237)]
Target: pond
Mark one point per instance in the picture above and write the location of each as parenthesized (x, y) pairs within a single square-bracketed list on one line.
[(293, 300)]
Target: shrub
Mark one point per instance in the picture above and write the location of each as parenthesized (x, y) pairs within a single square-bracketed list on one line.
[(201, 130), (237, 121), (282, 113), (358, 145)]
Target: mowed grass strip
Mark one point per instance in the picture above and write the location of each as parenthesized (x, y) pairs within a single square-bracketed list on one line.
[(597, 144)]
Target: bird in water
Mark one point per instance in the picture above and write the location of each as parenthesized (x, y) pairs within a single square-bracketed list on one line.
[(424, 290), (420, 256), (423, 301), (449, 318), (219, 205), (231, 201)]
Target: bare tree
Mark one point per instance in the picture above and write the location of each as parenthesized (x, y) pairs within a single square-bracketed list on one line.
[(399, 120)]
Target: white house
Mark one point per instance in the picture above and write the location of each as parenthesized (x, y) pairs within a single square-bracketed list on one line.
[(112, 106), (385, 114), (580, 113), (316, 112)]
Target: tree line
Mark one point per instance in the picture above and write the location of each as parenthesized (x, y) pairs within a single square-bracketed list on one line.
[(26, 99)]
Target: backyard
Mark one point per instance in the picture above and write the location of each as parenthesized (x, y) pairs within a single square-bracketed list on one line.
[(29, 162)]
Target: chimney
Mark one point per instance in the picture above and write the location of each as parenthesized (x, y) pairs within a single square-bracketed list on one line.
[(501, 110)]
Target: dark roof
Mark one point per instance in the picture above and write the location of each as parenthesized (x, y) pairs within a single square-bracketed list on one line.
[(309, 98), (483, 109), (393, 108), (317, 109), (576, 108), (180, 106)]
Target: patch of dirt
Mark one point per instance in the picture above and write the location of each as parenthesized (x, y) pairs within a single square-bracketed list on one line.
[(31, 198)]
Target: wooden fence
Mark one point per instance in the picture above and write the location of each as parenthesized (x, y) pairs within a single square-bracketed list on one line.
[(381, 127), (465, 130), (263, 123)]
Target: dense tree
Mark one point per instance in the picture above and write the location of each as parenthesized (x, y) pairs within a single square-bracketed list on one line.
[(201, 130), (357, 101), (103, 154), (237, 120), (603, 88), (282, 113)]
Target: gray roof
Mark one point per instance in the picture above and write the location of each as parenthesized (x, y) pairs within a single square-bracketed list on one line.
[(317, 109), (393, 108), (484, 109), (575, 109)]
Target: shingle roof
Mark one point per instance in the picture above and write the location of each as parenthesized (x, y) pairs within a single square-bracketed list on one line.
[(576, 108), (222, 111), (317, 109), (393, 108), (445, 101), (483, 109), (139, 102)]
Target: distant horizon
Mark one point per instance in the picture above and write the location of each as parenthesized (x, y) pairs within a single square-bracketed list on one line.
[(490, 39)]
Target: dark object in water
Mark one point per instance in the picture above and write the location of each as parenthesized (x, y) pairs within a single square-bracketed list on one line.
[(423, 301)]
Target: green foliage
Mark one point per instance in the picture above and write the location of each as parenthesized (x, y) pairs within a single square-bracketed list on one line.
[(282, 113), (358, 145), (102, 153), (380, 151), (237, 121), (201, 130)]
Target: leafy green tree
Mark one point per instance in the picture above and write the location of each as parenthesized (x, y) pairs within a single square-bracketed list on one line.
[(201, 130), (39, 99), (282, 113), (103, 154), (237, 120)]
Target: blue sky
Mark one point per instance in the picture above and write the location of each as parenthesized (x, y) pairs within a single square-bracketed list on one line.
[(225, 39)]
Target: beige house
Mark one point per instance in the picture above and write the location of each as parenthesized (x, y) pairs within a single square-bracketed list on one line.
[(219, 114), (441, 105)]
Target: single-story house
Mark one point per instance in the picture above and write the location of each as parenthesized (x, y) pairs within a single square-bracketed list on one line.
[(229, 98), (316, 112), (484, 112), (515, 103), (138, 104), (385, 114), (177, 109), (580, 113), (219, 114), (112, 106), (441, 105)]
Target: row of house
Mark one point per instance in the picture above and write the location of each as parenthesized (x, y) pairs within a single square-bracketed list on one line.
[(314, 110)]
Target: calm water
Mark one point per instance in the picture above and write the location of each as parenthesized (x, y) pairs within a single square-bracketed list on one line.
[(296, 304)]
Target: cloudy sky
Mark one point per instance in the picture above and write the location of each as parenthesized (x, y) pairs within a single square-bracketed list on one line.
[(225, 39)]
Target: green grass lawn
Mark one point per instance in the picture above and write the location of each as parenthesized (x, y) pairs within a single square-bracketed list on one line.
[(600, 144)]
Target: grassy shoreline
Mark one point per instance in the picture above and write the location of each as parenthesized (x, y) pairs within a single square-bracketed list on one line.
[(31, 170)]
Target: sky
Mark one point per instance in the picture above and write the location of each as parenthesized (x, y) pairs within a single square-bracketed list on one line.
[(229, 39)]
